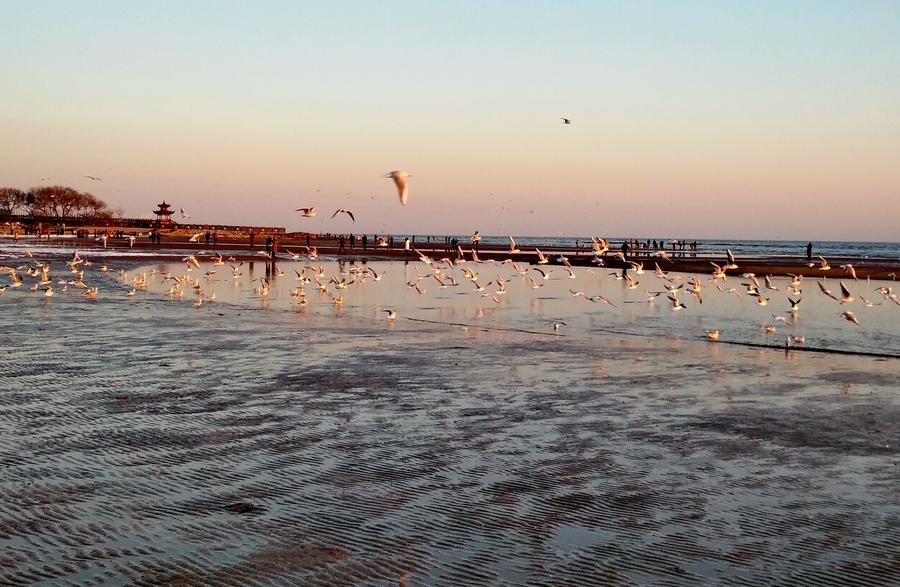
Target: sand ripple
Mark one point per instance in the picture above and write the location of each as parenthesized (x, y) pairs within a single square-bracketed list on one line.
[(152, 444)]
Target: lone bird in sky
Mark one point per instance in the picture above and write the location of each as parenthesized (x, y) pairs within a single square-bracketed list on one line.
[(399, 178), (184, 213), (345, 211), (567, 121), (308, 212), (92, 178)]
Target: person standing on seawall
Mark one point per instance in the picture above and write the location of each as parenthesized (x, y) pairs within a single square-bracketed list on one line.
[(809, 251)]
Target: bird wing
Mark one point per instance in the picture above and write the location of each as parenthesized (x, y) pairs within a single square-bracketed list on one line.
[(825, 291), (402, 190), (350, 214), (336, 212), (844, 291)]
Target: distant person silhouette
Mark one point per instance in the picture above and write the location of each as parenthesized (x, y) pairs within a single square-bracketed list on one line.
[(809, 251)]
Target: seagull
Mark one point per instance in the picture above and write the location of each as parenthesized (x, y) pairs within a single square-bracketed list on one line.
[(794, 303), (652, 295), (512, 246), (676, 303), (731, 264), (849, 317), (184, 214), (846, 296), (566, 120), (544, 274), (848, 268), (476, 237), (604, 299), (195, 237), (600, 245), (91, 177), (308, 212), (823, 264), (826, 291), (345, 211), (399, 178), (391, 314), (542, 259), (712, 334), (866, 302)]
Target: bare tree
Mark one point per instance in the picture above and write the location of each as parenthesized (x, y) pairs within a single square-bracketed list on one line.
[(11, 200)]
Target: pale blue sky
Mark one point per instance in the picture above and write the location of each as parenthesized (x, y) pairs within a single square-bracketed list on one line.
[(691, 119)]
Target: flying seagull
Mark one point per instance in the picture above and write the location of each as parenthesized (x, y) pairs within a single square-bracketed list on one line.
[(567, 120), (184, 214), (345, 211), (91, 177), (399, 178), (308, 212)]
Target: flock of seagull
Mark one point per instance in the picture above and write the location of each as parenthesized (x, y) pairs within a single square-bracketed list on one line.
[(485, 278), (458, 272)]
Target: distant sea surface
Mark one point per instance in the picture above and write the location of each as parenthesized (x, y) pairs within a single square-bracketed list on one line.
[(755, 248)]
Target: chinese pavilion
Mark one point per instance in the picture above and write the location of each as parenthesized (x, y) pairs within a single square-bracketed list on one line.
[(162, 214)]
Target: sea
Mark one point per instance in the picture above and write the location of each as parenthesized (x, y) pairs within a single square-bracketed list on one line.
[(754, 248)]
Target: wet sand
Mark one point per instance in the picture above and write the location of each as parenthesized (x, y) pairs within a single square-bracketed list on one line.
[(145, 441)]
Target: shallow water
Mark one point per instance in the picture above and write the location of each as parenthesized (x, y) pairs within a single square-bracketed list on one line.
[(148, 441)]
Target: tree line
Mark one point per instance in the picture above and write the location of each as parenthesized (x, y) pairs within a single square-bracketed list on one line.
[(56, 201)]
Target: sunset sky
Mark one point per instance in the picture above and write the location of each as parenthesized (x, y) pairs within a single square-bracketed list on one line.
[(690, 119)]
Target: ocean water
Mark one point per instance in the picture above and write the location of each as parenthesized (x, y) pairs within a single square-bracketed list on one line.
[(754, 248)]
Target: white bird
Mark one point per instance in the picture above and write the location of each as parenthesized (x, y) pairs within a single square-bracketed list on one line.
[(92, 178), (184, 214), (676, 303), (566, 120), (825, 291), (399, 178), (345, 211), (307, 212), (731, 263), (849, 317), (848, 268), (391, 314), (512, 246), (846, 296), (866, 302)]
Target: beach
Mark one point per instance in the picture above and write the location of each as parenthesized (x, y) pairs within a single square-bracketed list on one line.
[(253, 441)]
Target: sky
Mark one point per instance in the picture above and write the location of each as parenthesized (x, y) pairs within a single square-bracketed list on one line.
[(744, 120)]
